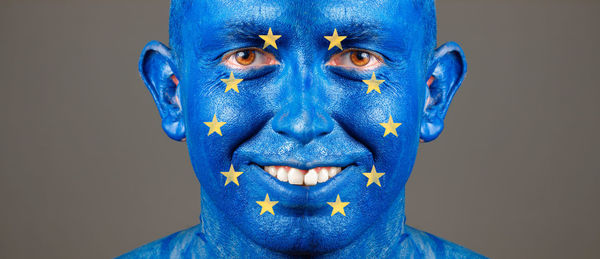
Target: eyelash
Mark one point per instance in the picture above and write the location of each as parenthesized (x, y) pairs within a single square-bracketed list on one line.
[(375, 60), (230, 58), (267, 59)]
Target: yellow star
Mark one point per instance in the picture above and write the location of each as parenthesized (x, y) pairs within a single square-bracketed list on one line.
[(390, 127), (335, 40), (232, 83), (373, 177), (267, 205), (232, 176), (215, 126), (270, 39), (338, 206), (373, 84)]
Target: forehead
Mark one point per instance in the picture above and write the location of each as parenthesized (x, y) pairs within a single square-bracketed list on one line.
[(290, 14)]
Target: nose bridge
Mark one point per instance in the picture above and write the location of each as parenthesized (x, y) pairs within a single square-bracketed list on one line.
[(302, 116)]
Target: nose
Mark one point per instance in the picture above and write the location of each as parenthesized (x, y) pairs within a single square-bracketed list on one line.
[(303, 117), (302, 121)]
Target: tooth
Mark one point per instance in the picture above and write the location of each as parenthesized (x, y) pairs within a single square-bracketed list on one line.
[(332, 171), (282, 174), (311, 177), (336, 169), (295, 176), (271, 170), (323, 176)]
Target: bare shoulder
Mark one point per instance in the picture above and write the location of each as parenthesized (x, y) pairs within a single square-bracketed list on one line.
[(188, 243), (430, 246)]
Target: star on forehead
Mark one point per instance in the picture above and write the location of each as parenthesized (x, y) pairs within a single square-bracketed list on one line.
[(373, 177), (232, 176), (390, 127), (270, 39), (373, 84), (338, 206), (232, 83), (267, 205), (215, 126), (335, 40)]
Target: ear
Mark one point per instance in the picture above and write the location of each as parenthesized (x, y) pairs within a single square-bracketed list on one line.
[(446, 73), (157, 71)]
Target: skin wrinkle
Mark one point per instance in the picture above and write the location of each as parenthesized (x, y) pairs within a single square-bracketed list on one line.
[(305, 114)]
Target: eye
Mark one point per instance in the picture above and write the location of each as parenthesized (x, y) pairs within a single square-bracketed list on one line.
[(360, 58), (356, 59), (249, 58), (245, 57)]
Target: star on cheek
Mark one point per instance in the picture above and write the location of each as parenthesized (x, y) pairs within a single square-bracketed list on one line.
[(335, 40), (338, 206), (390, 127), (270, 39), (232, 176), (232, 83), (215, 126), (373, 177), (267, 205), (373, 84)]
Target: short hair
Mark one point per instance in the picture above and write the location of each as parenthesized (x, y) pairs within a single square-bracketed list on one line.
[(427, 19)]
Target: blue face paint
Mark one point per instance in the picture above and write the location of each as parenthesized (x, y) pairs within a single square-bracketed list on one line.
[(305, 107)]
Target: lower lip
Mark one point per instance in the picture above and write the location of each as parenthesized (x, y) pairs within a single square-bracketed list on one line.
[(301, 197)]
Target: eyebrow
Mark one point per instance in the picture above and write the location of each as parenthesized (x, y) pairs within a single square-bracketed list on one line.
[(244, 31), (356, 32), (359, 31)]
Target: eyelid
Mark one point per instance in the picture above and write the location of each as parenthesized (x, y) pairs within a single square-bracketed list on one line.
[(267, 55), (380, 59), (378, 56)]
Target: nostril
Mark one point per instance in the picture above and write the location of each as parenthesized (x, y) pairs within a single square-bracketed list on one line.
[(322, 134), (281, 132)]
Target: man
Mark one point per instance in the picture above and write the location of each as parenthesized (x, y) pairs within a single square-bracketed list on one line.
[(303, 120)]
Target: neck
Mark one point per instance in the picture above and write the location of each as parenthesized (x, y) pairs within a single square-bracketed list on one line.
[(381, 238), (222, 237)]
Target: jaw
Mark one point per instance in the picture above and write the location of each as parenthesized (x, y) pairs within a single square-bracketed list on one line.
[(303, 235)]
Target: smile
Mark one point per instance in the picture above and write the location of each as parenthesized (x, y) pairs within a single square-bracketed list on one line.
[(301, 177)]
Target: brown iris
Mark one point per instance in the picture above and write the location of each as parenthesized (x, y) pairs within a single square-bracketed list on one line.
[(360, 58), (245, 57)]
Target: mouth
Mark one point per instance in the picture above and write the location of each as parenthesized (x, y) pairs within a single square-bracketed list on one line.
[(296, 176), (302, 180)]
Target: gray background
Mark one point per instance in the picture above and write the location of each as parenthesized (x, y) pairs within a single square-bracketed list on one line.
[(86, 171)]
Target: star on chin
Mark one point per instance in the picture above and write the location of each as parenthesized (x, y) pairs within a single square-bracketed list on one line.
[(267, 205), (338, 206)]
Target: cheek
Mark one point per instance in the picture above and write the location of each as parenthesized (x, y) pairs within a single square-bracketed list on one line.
[(244, 114), (362, 115)]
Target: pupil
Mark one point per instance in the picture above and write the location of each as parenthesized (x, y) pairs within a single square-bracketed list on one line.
[(243, 54), (360, 58), (362, 55)]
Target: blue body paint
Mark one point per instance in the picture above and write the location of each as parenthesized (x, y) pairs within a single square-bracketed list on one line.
[(302, 113)]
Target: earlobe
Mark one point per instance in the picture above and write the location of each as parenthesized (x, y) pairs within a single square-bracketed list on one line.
[(157, 70), (448, 69)]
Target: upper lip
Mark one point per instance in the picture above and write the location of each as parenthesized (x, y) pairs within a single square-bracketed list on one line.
[(303, 166), (297, 163)]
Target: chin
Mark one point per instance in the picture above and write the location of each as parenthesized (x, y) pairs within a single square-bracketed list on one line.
[(305, 235)]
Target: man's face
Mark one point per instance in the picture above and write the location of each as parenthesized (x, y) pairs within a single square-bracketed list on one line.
[(302, 106)]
